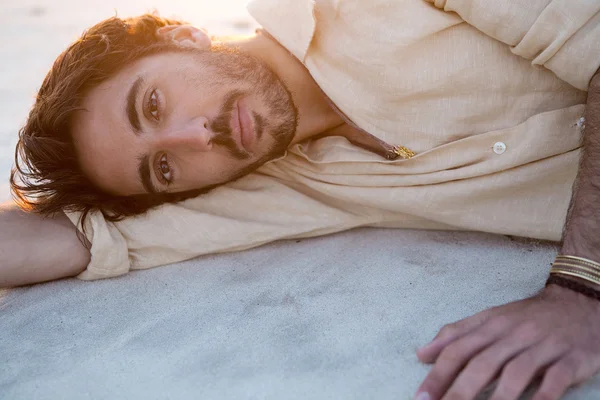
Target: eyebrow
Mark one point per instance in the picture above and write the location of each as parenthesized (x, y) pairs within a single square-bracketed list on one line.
[(132, 114), (134, 120), (144, 173)]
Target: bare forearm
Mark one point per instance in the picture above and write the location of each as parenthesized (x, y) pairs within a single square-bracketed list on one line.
[(37, 249), (582, 231)]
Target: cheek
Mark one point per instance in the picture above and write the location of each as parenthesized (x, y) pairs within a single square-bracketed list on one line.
[(190, 81), (186, 102), (209, 169), (108, 169), (108, 161)]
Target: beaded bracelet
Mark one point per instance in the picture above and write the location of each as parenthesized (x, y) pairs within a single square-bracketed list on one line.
[(575, 286)]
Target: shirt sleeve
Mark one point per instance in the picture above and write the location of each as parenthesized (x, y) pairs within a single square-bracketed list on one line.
[(250, 212), (561, 35)]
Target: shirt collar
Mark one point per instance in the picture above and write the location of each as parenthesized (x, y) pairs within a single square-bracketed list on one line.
[(291, 22)]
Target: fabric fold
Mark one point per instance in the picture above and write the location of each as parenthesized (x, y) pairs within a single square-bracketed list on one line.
[(274, 16), (250, 212), (109, 251), (561, 35)]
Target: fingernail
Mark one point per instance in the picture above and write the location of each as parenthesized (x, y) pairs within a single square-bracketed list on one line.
[(423, 396)]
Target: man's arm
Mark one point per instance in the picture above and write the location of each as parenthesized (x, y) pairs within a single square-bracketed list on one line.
[(582, 231), (553, 334), (36, 249)]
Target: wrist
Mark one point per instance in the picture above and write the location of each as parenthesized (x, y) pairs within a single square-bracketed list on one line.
[(576, 268), (579, 249), (582, 282), (563, 287)]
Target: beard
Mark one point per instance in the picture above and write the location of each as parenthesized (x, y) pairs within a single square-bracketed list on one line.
[(282, 135)]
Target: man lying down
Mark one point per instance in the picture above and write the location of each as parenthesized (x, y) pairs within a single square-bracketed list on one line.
[(445, 114)]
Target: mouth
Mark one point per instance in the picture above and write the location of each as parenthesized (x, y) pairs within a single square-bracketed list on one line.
[(243, 125)]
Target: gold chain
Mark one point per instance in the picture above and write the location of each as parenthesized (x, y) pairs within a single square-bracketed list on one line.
[(404, 152)]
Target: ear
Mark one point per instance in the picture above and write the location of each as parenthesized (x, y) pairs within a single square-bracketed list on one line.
[(186, 35)]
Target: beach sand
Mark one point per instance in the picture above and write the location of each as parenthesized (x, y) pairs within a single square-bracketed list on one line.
[(338, 317)]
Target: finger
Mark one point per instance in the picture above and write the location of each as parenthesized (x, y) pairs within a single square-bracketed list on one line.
[(557, 379), (456, 355), (525, 367), (429, 353), (488, 364), (448, 334)]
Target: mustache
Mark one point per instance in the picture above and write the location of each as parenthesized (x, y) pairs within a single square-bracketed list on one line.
[(221, 126)]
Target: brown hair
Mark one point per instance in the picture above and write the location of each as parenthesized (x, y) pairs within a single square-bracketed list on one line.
[(47, 177)]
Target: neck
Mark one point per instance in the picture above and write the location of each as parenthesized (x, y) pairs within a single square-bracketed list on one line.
[(315, 115)]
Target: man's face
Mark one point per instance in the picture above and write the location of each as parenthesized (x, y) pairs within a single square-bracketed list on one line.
[(183, 119)]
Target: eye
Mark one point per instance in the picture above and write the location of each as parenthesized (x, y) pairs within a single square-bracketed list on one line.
[(153, 105), (165, 173)]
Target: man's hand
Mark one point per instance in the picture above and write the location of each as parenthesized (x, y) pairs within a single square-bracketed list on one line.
[(554, 335)]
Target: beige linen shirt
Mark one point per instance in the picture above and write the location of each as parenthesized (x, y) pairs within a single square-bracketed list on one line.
[(498, 139)]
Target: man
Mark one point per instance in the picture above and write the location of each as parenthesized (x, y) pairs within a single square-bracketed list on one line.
[(423, 120)]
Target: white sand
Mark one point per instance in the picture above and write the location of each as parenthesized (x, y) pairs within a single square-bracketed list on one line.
[(332, 318), (337, 317)]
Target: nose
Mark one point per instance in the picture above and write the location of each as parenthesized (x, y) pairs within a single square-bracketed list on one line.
[(193, 135)]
